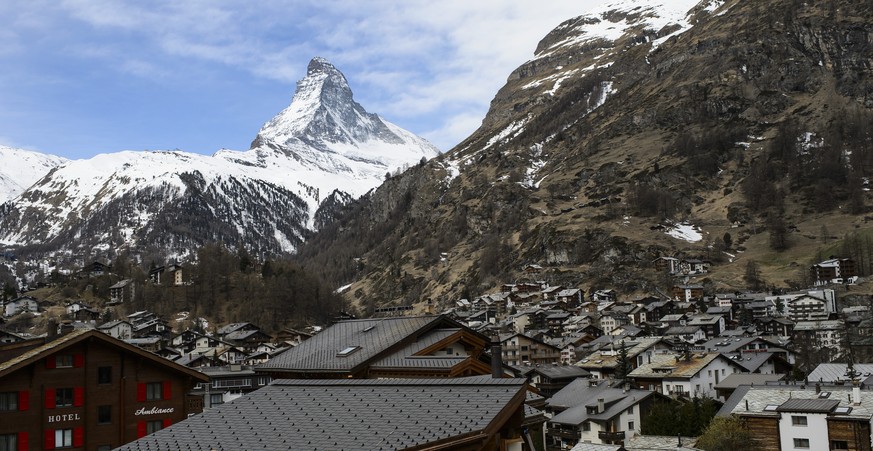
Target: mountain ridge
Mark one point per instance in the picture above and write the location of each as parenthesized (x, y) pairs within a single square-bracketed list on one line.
[(267, 197), (586, 171)]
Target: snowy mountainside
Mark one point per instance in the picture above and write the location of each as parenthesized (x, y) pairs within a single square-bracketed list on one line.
[(22, 168), (324, 145)]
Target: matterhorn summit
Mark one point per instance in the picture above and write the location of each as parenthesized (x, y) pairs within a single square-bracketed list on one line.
[(320, 152)]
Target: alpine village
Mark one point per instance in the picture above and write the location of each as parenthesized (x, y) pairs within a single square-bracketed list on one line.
[(659, 238)]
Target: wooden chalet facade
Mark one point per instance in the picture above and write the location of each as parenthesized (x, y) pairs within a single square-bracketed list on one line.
[(87, 390)]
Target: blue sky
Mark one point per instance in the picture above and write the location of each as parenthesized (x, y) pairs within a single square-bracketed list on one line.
[(82, 77)]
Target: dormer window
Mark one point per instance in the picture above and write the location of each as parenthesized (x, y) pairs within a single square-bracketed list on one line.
[(347, 351)]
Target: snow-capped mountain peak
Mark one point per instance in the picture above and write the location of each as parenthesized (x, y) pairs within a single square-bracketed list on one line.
[(22, 168), (323, 149)]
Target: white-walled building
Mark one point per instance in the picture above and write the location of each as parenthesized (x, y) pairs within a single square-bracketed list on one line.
[(691, 375)]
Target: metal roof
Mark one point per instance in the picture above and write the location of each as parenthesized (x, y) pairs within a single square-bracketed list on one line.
[(808, 405), (371, 337), (350, 414)]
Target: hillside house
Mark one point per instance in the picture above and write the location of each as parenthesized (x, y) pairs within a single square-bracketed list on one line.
[(119, 329), (21, 304), (122, 292), (685, 293), (834, 270)]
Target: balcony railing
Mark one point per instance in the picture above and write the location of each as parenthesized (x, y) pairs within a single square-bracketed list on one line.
[(611, 437)]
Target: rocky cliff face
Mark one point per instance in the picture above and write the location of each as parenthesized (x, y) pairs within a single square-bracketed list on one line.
[(627, 123)]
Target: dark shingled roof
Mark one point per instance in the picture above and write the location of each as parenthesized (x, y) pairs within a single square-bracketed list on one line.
[(372, 337), (345, 414), (808, 405)]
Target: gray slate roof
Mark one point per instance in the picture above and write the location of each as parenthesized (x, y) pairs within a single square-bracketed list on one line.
[(343, 414), (373, 336)]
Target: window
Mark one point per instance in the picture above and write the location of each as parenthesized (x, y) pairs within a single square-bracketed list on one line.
[(154, 426), (63, 438), (104, 414), (630, 410), (104, 375), (802, 443), (154, 391), (798, 420), (63, 361), (9, 442), (63, 397), (839, 444), (630, 425), (216, 399), (9, 401), (586, 426)]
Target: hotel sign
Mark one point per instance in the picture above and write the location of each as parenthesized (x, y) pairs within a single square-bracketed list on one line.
[(65, 417), (154, 411)]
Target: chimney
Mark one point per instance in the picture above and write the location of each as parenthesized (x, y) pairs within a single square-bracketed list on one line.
[(496, 358), (817, 388), (600, 406), (52, 329), (856, 393)]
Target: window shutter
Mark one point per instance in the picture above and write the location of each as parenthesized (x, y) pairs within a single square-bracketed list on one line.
[(23, 400), (78, 437), (167, 422), (50, 399), (140, 392), (168, 389), (78, 396), (50, 362), (141, 429), (50, 439), (78, 360), (23, 441)]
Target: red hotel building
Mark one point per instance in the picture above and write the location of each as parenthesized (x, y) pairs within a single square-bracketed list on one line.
[(87, 390)]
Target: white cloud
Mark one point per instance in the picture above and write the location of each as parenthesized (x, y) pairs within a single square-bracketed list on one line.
[(436, 62)]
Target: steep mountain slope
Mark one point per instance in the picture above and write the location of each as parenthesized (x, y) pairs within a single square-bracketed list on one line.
[(746, 120), (324, 149), (22, 168)]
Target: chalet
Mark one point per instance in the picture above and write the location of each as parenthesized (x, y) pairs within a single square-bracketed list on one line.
[(712, 325), (690, 375), (555, 322), (687, 292), (692, 266), (688, 334), (88, 390), (573, 297), (119, 329), (170, 275), (9, 337), (834, 270), (520, 349), (824, 337), (602, 362), (549, 379), (728, 385), (803, 417), (782, 327), (293, 337), (551, 291), (410, 346), (83, 312), (97, 269), (21, 304), (122, 292), (587, 411), (227, 383), (451, 414), (669, 265)]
